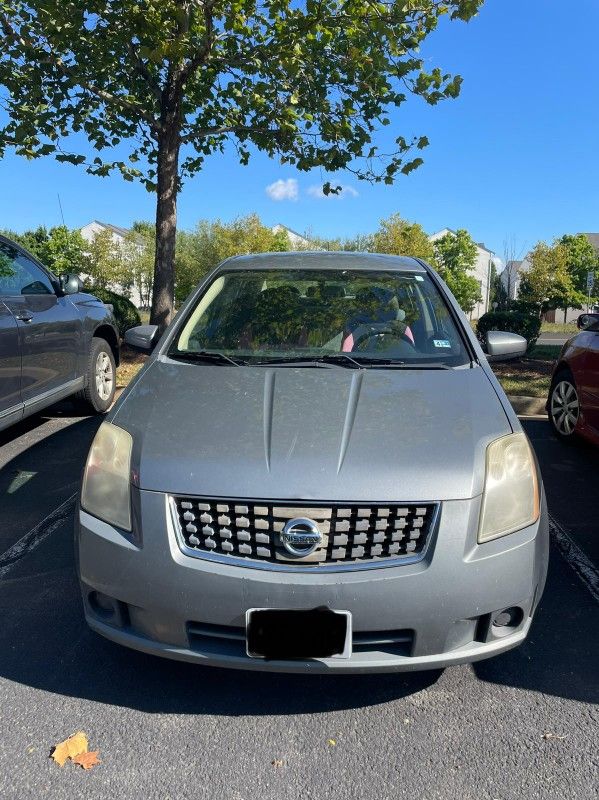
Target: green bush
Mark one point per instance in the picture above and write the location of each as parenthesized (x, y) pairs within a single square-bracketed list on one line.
[(527, 325), (126, 315)]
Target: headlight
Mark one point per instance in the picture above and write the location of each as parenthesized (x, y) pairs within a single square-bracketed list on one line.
[(105, 492), (511, 494)]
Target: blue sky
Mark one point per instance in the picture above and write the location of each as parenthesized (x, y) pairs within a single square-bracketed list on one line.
[(516, 156)]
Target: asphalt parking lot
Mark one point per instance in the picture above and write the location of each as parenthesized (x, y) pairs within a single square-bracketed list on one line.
[(523, 725)]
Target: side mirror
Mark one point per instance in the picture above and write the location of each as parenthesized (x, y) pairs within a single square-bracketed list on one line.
[(504, 346), (69, 283), (142, 337), (588, 322)]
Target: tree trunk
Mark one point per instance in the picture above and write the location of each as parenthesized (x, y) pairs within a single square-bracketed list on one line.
[(163, 295)]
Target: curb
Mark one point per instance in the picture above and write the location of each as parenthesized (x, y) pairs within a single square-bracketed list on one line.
[(528, 406)]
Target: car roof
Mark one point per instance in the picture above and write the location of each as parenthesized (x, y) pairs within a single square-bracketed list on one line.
[(324, 260)]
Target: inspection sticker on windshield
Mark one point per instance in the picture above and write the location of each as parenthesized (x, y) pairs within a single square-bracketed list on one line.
[(441, 342)]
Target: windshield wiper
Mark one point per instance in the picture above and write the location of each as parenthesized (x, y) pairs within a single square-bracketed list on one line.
[(390, 363), (207, 356), (342, 359), (347, 360)]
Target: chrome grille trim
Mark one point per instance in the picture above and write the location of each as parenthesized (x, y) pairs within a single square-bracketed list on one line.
[(263, 561)]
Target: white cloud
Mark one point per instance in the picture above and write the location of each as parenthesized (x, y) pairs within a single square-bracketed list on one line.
[(283, 190), (346, 191)]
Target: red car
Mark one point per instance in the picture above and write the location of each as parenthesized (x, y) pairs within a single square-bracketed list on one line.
[(573, 402)]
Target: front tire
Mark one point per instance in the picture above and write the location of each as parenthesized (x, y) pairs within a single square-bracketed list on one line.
[(100, 378), (564, 406)]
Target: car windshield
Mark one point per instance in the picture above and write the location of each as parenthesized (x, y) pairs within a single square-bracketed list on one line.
[(353, 316)]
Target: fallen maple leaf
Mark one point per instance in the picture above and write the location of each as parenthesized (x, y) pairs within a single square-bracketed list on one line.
[(87, 760), (71, 747)]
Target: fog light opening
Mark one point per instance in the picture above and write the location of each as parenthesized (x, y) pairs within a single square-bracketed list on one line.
[(507, 620), (102, 605)]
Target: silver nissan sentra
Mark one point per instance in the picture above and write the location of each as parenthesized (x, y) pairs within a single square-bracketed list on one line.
[(315, 471)]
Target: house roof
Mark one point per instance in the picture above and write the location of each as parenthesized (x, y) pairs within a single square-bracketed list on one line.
[(444, 231), (593, 239), (280, 227), (114, 228)]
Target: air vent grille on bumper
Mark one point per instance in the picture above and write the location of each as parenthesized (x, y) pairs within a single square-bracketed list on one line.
[(350, 533)]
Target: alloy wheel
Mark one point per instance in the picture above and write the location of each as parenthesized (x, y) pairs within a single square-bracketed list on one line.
[(104, 376), (565, 407)]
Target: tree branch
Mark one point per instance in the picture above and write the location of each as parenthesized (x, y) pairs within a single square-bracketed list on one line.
[(49, 57), (203, 133), (145, 73), (199, 58)]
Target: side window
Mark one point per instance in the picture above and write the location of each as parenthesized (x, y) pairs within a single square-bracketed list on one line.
[(19, 275)]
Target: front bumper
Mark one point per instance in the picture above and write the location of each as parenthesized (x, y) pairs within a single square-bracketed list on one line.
[(424, 615)]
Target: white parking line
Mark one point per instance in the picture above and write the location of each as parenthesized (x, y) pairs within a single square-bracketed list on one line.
[(576, 558), (36, 535)]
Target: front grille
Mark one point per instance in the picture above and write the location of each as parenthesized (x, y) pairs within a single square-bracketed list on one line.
[(351, 533)]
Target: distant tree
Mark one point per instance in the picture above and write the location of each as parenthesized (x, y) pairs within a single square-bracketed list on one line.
[(35, 241), (137, 254), (512, 255), (65, 251), (495, 288), (200, 250), (105, 265), (356, 244), (498, 291), (581, 258), (178, 80), (547, 284), (455, 255), (397, 236), (59, 249)]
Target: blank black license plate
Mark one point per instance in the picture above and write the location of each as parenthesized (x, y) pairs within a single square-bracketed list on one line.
[(279, 634)]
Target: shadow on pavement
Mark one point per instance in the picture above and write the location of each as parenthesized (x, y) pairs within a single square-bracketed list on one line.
[(44, 643), (561, 655), (65, 408), (570, 473), (40, 468)]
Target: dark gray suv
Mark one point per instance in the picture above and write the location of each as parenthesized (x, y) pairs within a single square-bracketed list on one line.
[(55, 340)]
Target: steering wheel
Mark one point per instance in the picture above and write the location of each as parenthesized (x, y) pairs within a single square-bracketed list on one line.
[(383, 331)]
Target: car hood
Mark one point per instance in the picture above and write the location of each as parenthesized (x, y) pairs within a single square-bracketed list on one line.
[(306, 433)]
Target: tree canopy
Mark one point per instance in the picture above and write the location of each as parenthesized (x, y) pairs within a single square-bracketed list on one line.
[(581, 258), (547, 284), (203, 248), (557, 277), (456, 256), (310, 83), (397, 236), (59, 249)]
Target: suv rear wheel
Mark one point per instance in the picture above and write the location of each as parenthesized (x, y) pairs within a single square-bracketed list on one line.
[(101, 377), (564, 405)]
